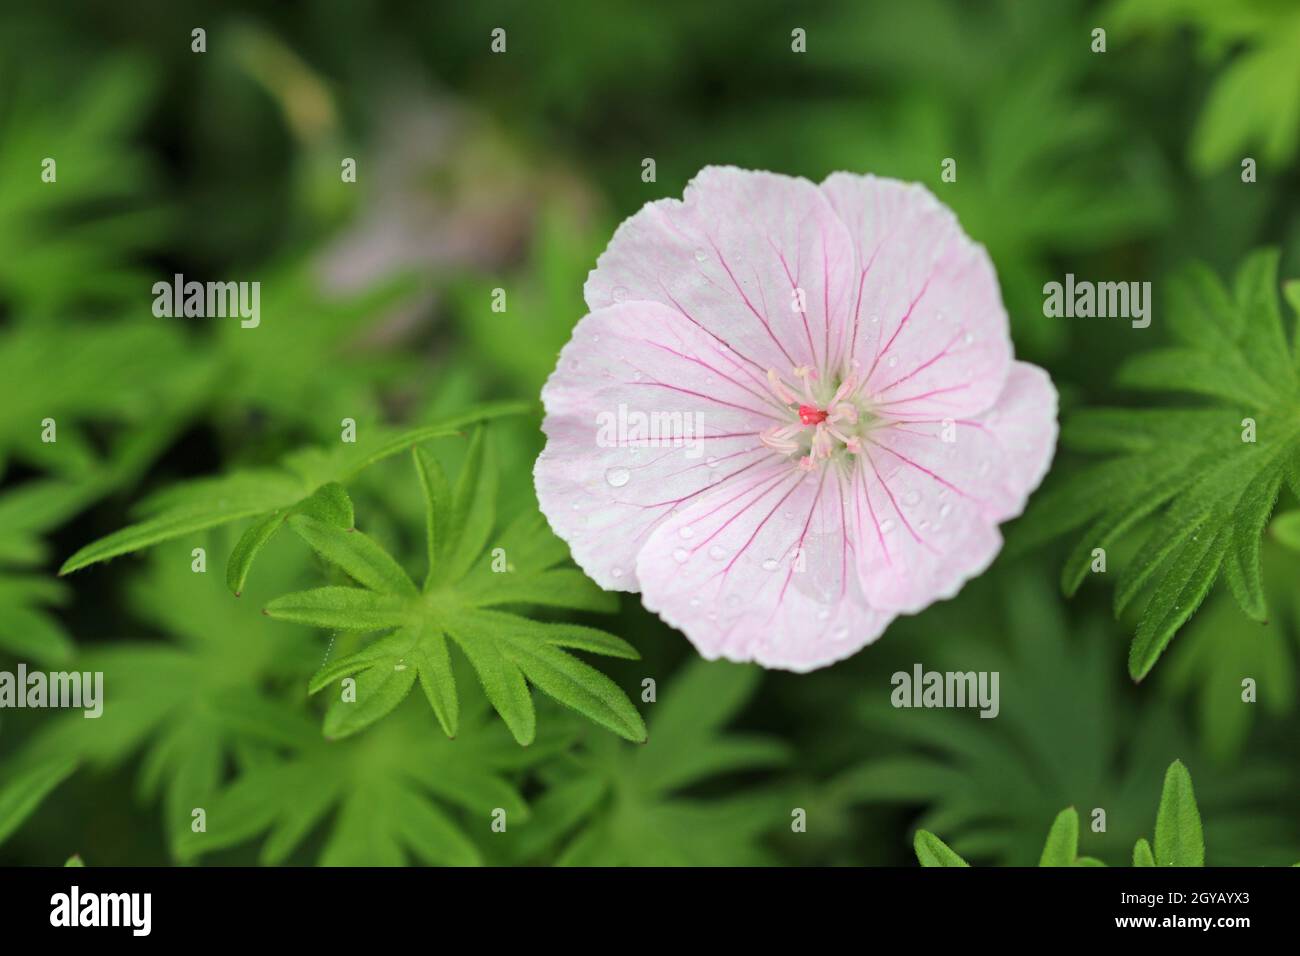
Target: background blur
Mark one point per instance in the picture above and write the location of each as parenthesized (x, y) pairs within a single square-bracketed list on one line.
[(478, 171)]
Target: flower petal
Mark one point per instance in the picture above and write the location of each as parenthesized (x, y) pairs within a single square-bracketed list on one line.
[(926, 319), (930, 493), (644, 411), (761, 570), (758, 259)]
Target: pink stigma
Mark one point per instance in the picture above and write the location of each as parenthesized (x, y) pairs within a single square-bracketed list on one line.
[(811, 415)]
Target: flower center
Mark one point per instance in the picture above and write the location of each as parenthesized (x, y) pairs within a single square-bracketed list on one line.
[(826, 418)]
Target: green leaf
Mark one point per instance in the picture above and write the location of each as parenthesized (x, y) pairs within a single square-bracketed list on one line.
[(1179, 841), (1198, 483), (1062, 846), (23, 790), (577, 685), (437, 496), (1142, 855), (329, 503), (355, 554), (379, 689), (246, 549), (343, 609), (473, 509), (931, 851), (243, 495), (306, 483)]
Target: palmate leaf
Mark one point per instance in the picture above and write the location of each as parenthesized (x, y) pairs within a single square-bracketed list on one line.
[(465, 601), (1200, 482), (308, 483), (1178, 834), (223, 682), (1066, 734), (615, 805), (397, 793)]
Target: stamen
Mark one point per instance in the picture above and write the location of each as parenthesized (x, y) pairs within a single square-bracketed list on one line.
[(780, 389)]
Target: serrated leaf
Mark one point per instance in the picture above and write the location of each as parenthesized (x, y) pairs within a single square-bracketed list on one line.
[(1062, 846), (378, 690), (343, 609), (473, 509), (246, 549), (1142, 855), (355, 554), (579, 686), (437, 497), (1176, 598), (1179, 840), (931, 851)]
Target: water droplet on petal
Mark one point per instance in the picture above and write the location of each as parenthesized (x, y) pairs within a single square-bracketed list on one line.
[(694, 602), (771, 564), (945, 509), (912, 498), (824, 614), (617, 477), (616, 571), (893, 361), (839, 634), (686, 531), (700, 255), (887, 525), (717, 552), (681, 555)]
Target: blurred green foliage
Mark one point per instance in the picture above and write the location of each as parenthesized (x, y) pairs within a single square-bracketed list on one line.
[(479, 172)]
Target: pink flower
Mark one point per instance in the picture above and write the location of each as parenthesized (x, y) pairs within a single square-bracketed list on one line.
[(841, 421)]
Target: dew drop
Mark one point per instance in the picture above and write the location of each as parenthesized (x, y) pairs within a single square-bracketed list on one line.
[(912, 498), (893, 361), (686, 531), (840, 634), (969, 338), (875, 320), (887, 525), (824, 614), (694, 602), (700, 255), (617, 477), (717, 552), (616, 571), (771, 564), (945, 509), (681, 555)]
